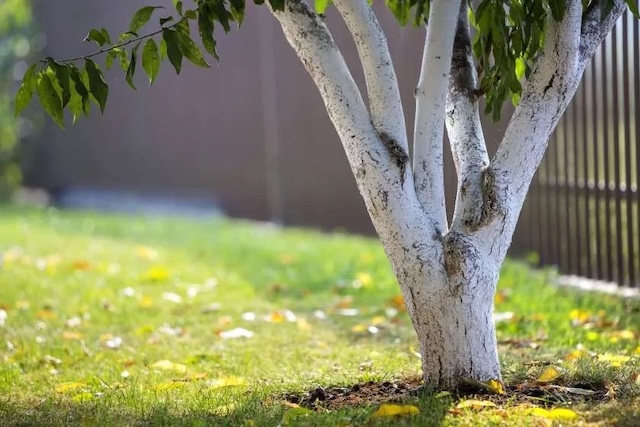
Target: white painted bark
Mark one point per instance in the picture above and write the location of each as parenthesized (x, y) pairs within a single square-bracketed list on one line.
[(430, 96), (465, 131), (448, 277), (545, 96), (379, 165), (387, 114)]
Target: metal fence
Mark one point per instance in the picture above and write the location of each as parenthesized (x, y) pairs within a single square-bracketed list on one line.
[(582, 213)]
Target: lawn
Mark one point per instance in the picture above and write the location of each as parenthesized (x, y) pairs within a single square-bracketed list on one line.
[(119, 320)]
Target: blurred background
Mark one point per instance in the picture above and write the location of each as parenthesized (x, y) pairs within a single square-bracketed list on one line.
[(250, 138)]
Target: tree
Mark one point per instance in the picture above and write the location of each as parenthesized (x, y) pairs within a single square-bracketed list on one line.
[(532, 51)]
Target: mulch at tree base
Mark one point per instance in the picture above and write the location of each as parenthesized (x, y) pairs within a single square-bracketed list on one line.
[(371, 392)]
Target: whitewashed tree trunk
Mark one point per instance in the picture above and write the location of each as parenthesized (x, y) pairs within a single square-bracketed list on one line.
[(447, 273)]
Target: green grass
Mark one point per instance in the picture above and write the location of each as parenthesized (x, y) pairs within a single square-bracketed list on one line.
[(73, 284)]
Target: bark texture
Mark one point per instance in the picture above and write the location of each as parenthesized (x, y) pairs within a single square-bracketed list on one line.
[(447, 273)]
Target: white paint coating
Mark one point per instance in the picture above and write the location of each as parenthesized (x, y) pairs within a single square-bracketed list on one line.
[(448, 277), (382, 85)]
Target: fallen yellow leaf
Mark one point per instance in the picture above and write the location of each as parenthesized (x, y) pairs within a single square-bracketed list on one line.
[(495, 386), (378, 320), (579, 317), (391, 410), (554, 414), (624, 335), (81, 265), (398, 303), (575, 355), (72, 335), (146, 252), (475, 405), (145, 301), (614, 360), (157, 274), (275, 317), (359, 328), (364, 278), (46, 314), (549, 375), (228, 382), (167, 365), (199, 375), (69, 386)]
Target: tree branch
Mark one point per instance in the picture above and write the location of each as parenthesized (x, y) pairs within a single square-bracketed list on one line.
[(377, 161), (117, 45), (382, 83), (408, 234), (430, 109), (545, 95), (465, 130), (595, 29)]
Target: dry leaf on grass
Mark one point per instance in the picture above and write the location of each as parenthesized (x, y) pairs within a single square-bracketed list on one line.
[(228, 382), (549, 375), (167, 365), (391, 410), (560, 414), (69, 386)]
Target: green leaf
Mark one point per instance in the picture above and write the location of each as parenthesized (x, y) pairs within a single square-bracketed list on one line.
[(222, 15), (101, 38), (205, 28), (178, 5), (321, 6), (141, 17), (106, 35), (111, 55), (558, 8), (633, 7), (162, 50), (605, 8), (277, 4), (521, 67), (188, 47), (50, 100), (151, 60), (98, 86), (131, 71), (62, 76), (26, 90), (80, 89), (237, 10), (172, 41)]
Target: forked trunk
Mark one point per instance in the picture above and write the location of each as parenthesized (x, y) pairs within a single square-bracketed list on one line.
[(452, 312), (447, 272)]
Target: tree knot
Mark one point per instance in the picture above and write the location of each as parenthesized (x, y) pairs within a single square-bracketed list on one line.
[(398, 154)]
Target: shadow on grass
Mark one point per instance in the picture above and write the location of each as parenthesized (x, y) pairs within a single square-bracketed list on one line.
[(252, 411)]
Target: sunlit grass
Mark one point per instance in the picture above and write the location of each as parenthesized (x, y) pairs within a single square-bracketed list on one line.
[(94, 302)]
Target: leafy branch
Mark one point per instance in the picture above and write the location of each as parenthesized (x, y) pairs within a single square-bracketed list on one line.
[(111, 47), (507, 42), (61, 84)]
